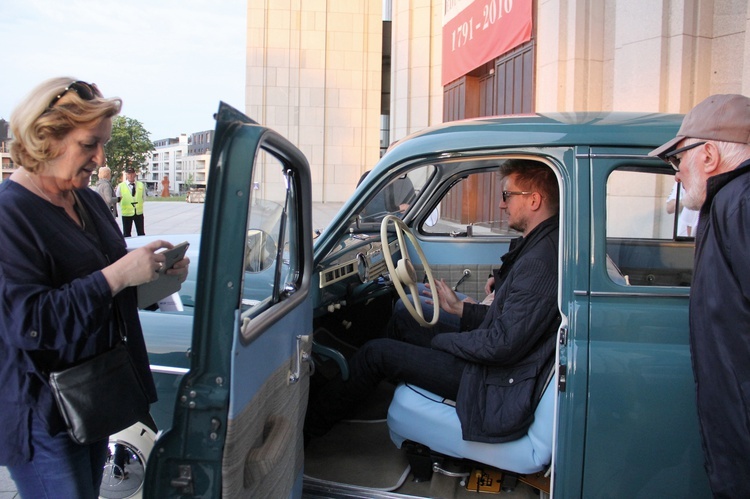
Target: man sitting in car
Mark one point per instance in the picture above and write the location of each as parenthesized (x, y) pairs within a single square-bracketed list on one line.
[(495, 367)]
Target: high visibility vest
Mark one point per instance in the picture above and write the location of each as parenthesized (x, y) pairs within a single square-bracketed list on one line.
[(130, 205)]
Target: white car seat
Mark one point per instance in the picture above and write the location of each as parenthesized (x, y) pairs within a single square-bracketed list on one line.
[(420, 416)]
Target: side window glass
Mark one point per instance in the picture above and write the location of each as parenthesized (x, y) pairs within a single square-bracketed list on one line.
[(645, 246), (270, 263), (464, 208)]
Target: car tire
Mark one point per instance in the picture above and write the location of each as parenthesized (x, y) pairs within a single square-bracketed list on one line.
[(124, 479)]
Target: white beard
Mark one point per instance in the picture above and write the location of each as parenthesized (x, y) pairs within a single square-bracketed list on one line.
[(695, 197)]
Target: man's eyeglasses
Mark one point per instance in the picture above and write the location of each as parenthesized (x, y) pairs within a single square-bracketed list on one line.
[(507, 194), (672, 156), (84, 90)]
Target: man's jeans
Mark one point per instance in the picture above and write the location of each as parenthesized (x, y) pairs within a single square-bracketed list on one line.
[(402, 326), (60, 468), (378, 360)]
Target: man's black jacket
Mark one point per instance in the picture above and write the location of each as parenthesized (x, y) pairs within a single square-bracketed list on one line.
[(512, 349)]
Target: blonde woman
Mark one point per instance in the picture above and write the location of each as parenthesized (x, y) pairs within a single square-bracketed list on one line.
[(66, 280)]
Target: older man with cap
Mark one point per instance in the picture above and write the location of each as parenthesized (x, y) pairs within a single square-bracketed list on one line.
[(130, 193), (711, 155)]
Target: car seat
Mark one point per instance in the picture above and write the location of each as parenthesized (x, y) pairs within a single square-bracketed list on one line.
[(419, 416)]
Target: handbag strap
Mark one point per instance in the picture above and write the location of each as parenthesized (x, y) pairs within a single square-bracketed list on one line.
[(92, 229), (121, 327)]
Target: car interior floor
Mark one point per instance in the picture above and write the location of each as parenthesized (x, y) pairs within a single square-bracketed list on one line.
[(359, 453)]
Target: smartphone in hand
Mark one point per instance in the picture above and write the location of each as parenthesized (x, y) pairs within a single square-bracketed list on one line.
[(174, 255)]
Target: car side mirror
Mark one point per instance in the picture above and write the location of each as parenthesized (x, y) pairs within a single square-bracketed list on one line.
[(260, 251)]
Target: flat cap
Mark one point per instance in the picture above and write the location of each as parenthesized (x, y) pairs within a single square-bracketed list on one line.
[(722, 117)]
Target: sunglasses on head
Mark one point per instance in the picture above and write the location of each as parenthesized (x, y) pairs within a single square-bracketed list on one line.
[(86, 91)]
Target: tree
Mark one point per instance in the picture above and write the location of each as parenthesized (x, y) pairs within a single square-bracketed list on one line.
[(188, 184), (129, 146)]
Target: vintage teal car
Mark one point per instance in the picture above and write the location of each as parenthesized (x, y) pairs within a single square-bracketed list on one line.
[(272, 313)]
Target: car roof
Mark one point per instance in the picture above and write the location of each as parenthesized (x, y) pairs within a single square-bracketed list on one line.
[(508, 134), (612, 129)]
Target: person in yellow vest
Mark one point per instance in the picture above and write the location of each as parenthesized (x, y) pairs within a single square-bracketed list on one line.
[(131, 203)]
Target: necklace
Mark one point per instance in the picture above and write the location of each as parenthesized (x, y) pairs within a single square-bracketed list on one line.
[(37, 187)]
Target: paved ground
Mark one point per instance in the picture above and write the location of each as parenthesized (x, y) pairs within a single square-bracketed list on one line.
[(175, 217)]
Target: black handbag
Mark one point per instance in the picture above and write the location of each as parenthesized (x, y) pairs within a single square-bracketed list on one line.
[(104, 394), (100, 396)]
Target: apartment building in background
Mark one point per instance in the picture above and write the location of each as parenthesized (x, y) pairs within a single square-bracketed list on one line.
[(5, 161), (182, 161)]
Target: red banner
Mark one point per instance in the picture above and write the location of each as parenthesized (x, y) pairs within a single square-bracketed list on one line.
[(477, 31)]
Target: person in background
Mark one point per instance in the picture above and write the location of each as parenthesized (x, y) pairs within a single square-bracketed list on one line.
[(131, 193), (395, 198), (67, 283), (687, 221), (711, 154), (106, 191)]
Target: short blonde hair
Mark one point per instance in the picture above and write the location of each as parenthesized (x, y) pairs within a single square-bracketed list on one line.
[(38, 128), (105, 173)]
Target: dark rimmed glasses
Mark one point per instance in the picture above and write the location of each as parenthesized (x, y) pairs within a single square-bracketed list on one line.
[(672, 156), (86, 91), (507, 194)]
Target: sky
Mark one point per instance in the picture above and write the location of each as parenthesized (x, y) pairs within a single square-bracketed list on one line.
[(170, 61)]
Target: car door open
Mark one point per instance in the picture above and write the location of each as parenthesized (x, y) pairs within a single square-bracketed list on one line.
[(237, 427)]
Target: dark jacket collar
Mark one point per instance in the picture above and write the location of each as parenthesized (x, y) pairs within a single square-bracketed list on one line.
[(539, 232), (713, 186), (520, 244), (715, 183)]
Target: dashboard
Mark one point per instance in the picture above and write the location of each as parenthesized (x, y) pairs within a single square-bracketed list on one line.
[(352, 271)]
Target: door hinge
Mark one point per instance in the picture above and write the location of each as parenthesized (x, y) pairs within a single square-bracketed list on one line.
[(562, 378), (563, 336)]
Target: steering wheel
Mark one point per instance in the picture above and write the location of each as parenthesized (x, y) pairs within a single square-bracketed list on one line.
[(403, 273)]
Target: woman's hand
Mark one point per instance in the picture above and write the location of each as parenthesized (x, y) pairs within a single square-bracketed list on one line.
[(140, 266), (180, 269)]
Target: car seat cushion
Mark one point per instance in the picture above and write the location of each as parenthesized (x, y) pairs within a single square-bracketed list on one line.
[(423, 417)]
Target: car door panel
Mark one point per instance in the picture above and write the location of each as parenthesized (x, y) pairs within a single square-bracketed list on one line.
[(237, 429), (641, 419)]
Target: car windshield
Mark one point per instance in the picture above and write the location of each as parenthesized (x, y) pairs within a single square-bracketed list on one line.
[(396, 197)]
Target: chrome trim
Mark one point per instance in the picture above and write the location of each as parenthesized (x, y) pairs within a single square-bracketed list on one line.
[(580, 292), (638, 295), (613, 156), (180, 371), (113, 476), (350, 268), (319, 488)]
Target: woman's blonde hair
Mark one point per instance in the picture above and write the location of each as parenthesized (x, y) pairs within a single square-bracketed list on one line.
[(37, 128)]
